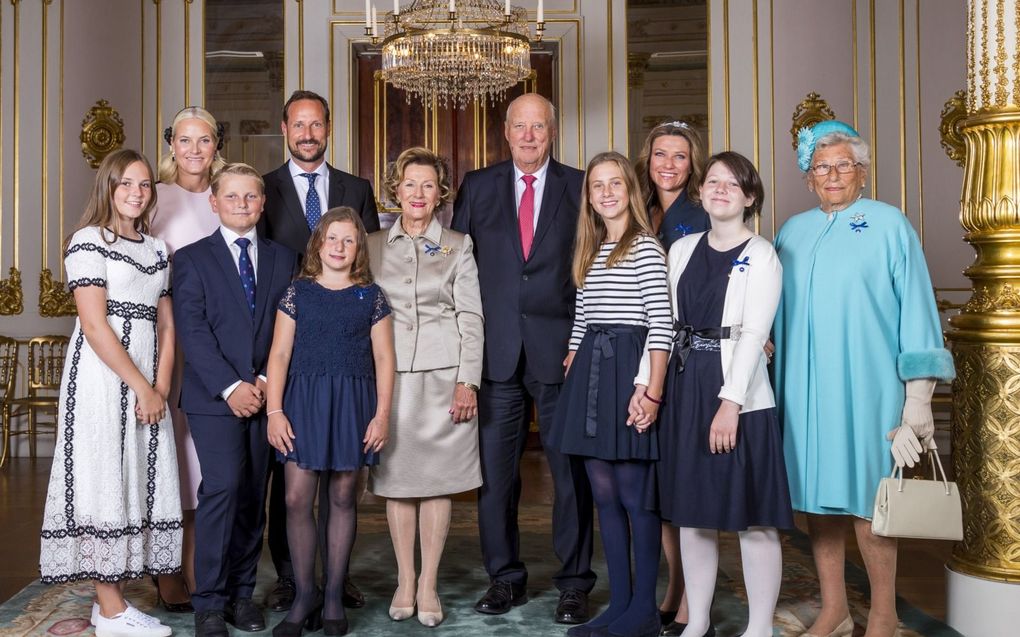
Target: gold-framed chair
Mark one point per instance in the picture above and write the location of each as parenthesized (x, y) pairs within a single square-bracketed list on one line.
[(8, 376), (45, 367)]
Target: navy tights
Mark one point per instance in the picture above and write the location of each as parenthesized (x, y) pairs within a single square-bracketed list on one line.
[(619, 492)]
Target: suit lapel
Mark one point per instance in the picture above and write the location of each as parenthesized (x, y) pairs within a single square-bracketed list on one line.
[(506, 195), (335, 193), (288, 193), (267, 262), (222, 256), (554, 187)]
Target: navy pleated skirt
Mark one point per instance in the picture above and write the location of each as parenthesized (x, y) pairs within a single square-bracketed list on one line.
[(329, 416), (591, 415)]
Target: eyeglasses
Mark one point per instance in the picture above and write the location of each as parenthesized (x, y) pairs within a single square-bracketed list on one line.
[(842, 167)]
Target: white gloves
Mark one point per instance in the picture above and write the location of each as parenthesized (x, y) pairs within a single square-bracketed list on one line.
[(917, 425)]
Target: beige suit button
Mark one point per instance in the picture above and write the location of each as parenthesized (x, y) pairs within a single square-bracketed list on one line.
[(410, 327), (409, 258), (407, 280), (407, 305)]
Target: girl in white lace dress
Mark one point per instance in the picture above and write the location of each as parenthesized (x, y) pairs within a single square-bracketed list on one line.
[(113, 509)]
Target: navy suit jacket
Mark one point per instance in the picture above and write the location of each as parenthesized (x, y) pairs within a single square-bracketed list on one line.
[(221, 340), (527, 304), (283, 220)]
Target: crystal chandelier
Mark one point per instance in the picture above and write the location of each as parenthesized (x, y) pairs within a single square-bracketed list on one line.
[(452, 52)]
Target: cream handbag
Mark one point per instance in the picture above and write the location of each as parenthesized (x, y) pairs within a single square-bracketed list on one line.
[(917, 508)]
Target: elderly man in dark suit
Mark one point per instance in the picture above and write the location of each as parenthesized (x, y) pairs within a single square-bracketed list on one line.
[(298, 193), (522, 216)]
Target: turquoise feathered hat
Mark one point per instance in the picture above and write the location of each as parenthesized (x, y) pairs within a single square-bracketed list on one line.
[(807, 137)]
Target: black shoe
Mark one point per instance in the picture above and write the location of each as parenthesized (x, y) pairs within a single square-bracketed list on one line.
[(335, 626), (500, 598), (312, 622), (668, 617), (282, 597), (244, 615), (352, 597), (573, 607), (673, 629), (210, 623), (172, 607), (650, 628)]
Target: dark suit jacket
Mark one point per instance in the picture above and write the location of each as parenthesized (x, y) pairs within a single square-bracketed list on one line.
[(526, 304), (283, 219), (221, 341)]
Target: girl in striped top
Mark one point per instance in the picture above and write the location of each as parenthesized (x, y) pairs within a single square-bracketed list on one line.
[(622, 311)]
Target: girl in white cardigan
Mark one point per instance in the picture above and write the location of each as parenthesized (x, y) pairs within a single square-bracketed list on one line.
[(721, 452)]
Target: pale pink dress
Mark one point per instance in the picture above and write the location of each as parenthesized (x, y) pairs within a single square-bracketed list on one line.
[(183, 217)]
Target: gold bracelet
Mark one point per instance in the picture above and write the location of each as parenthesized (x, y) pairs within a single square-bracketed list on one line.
[(470, 386)]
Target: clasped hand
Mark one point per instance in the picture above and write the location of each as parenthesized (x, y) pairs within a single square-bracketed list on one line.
[(642, 412), (246, 400)]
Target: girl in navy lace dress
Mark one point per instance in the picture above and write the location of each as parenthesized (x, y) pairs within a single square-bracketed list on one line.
[(330, 380)]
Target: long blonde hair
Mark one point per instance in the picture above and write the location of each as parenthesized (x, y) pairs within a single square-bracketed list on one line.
[(591, 229), (100, 211), (168, 165)]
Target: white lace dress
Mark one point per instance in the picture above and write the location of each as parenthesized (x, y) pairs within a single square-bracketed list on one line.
[(113, 509)]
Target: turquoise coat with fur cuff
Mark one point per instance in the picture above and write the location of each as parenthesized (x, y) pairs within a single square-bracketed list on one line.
[(856, 320)]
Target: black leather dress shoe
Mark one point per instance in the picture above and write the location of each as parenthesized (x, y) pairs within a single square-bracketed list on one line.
[(500, 598), (209, 623), (281, 598), (352, 597), (668, 617), (573, 607), (244, 615), (673, 629)]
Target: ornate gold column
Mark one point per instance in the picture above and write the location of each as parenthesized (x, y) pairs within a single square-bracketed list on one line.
[(986, 334)]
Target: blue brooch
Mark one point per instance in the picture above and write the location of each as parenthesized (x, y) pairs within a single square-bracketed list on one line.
[(741, 263), (159, 253), (682, 229), (361, 292), (433, 250), (857, 222)]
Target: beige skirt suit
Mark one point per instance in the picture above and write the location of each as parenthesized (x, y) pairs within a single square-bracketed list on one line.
[(431, 283)]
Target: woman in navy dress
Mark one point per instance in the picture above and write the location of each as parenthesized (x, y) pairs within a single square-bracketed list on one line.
[(721, 461), (672, 158), (328, 399)]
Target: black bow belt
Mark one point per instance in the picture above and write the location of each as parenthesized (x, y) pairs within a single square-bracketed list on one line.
[(686, 338), (604, 336)]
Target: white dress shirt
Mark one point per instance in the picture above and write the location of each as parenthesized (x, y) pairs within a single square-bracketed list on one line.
[(229, 236), (301, 184), (539, 187)]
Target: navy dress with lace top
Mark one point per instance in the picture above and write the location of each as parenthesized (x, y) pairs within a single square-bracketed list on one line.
[(330, 394)]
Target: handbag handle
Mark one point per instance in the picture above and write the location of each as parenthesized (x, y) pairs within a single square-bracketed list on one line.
[(936, 470)]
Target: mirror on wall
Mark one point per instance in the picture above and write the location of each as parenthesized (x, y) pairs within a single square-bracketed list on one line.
[(667, 66), (244, 78)]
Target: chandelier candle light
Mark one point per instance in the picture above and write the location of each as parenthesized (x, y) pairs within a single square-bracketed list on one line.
[(453, 52)]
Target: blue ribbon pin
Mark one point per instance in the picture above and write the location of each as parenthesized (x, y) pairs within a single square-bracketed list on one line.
[(857, 227), (740, 263), (431, 250)]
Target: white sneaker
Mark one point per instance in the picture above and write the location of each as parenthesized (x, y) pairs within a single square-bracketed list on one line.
[(131, 623)]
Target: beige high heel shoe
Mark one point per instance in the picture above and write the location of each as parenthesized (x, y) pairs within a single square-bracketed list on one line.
[(431, 618), (845, 629), (400, 613)]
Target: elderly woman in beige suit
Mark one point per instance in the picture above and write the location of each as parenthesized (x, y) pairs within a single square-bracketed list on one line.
[(429, 275)]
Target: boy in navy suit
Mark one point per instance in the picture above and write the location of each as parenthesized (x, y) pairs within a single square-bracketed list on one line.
[(226, 288)]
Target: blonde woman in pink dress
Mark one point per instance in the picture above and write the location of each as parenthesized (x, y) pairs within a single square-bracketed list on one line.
[(183, 215)]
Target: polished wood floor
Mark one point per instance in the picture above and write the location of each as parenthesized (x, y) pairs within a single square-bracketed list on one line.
[(921, 578)]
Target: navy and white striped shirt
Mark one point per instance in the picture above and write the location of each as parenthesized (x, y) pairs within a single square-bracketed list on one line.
[(633, 292)]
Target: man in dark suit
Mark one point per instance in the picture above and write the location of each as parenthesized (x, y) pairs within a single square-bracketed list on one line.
[(298, 193), (226, 289), (305, 186), (522, 216)]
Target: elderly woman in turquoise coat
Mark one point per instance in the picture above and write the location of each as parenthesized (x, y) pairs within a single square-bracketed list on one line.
[(859, 349)]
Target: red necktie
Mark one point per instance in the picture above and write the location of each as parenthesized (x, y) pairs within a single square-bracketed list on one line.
[(526, 215)]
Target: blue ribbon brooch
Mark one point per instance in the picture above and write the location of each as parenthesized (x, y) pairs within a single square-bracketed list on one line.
[(857, 222), (433, 250), (361, 292), (741, 263), (683, 229)]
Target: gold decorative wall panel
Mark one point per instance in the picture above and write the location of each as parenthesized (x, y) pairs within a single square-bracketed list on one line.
[(102, 132), (810, 111), (11, 298), (54, 297), (954, 111)]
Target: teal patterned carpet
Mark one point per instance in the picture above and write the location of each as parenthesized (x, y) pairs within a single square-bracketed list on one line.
[(64, 610)]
